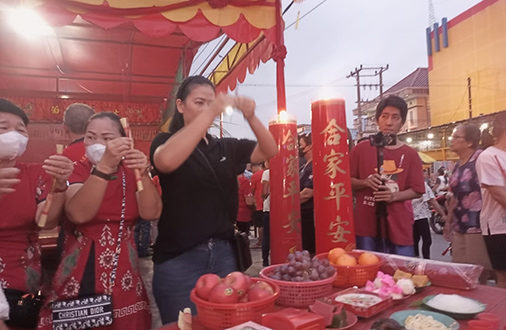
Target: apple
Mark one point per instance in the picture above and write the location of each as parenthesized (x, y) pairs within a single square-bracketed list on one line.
[(259, 290), (205, 284), (224, 294), (239, 281)]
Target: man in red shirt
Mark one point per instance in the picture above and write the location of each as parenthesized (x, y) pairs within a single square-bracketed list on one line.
[(401, 180), (75, 119), (256, 190)]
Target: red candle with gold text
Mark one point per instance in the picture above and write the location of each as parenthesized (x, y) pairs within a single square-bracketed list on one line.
[(284, 190), (333, 199)]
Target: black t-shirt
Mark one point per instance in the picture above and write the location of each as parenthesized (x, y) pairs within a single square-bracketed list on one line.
[(306, 181), (195, 206)]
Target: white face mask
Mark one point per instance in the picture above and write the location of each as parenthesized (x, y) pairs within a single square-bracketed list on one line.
[(12, 145), (95, 152)]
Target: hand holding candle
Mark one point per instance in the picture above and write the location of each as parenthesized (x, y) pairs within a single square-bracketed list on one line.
[(128, 132)]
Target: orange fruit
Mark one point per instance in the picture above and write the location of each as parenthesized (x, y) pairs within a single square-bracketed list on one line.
[(367, 258), (346, 260), (335, 253)]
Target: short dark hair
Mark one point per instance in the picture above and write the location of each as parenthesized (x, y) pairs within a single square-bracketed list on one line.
[(499, 124), (441, 170), (307, 138), (76, 117), (184, 90), (472, 134), (9, 107), (111, 116), (392, 101)]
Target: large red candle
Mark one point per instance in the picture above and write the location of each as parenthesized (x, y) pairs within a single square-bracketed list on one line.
[(333, 199), (284, 183)]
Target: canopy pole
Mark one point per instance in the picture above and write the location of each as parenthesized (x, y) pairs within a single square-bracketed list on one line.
[(279, 57)]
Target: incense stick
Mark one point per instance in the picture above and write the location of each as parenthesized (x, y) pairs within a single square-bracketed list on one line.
[(128, 132), (49, 199)]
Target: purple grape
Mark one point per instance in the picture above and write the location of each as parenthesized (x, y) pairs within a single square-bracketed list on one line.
[(315, 259), (321, 269), (298, 279), (299, 266), (330, 270), (291, 270), (306, 264), (305, 253), (277, 269), (293, 262), (290, 257), (298, 256), (314, 275), (286, 277), (276, 277), (325, 262), (324, 275), (299, 273), (284, 269)]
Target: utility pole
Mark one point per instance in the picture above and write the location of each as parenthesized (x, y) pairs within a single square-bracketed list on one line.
[(470, 99), (378, 71)]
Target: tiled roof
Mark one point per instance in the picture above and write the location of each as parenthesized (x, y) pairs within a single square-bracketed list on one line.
[(417, 78)]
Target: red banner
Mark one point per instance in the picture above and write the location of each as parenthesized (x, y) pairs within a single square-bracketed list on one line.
[(333, 198), (51, 110), (284, 182)]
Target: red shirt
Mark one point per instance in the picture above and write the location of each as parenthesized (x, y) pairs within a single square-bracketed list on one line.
[(75, 151), (19, 243), (244, 213), (256, 186), (407, 174)]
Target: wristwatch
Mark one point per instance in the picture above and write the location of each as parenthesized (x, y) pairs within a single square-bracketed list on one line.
[(102, 175)]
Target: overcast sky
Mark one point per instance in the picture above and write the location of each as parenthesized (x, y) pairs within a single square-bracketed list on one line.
[(333, 40)]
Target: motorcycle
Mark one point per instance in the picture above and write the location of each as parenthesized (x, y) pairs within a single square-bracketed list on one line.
[(436, 221)]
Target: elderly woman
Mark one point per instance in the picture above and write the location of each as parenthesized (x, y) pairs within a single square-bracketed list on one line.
[(102, 202), (463, 216), (199, 192), (23, 191), (491, 168)]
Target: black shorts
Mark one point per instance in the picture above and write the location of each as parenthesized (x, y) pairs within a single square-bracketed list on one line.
[(258, 219), (496, 248)]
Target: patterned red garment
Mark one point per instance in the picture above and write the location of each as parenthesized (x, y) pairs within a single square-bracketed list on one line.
[(20, 267), (129, 298)]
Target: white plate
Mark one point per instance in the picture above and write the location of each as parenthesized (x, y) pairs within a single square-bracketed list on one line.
[(358, 299)]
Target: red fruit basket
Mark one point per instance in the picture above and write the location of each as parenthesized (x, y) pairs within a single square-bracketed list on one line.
[(299, 294), (216, 316), (349, 276)]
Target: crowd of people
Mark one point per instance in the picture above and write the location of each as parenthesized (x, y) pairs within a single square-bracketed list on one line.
[(204, 194)]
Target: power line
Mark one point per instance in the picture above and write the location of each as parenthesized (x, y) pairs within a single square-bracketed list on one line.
[(309, 12), (210, 53)]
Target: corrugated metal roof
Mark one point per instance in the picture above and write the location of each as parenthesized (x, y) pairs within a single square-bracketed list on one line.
[(417, 78)]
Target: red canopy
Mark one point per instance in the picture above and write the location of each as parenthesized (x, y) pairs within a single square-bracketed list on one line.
[(126, 54)]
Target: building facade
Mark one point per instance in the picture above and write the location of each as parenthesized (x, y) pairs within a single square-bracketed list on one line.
[(414, 89), (467, 70)]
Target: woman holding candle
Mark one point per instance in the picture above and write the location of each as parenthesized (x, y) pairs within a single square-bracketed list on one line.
[(199, 192), (23, 192), (103, 204)]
